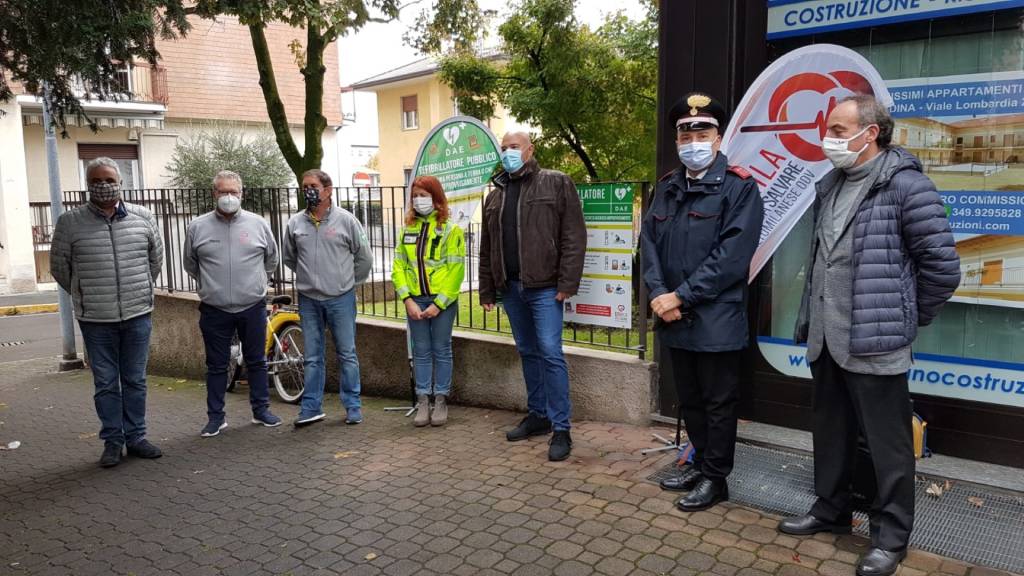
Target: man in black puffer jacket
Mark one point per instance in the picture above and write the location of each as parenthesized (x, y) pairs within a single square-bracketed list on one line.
[(883, 261)]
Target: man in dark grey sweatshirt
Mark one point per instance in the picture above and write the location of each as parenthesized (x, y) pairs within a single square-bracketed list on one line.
[(327, 248), (230, 252)]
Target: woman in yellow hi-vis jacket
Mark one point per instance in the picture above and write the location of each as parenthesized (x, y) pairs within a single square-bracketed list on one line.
[(428, 271)]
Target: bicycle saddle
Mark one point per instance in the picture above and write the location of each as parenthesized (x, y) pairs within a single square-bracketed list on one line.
[(282, 300)]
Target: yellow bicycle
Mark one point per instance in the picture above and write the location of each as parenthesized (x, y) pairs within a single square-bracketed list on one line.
[(284, 348)]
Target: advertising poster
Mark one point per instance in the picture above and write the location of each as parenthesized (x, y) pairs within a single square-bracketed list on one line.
[(605, 297), (461, 152), (777, 129), (965, 122)]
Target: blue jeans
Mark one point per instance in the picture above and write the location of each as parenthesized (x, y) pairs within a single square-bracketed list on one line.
[(338, 314), (218, 327), (536, 319), (118, 352), (432, 348)]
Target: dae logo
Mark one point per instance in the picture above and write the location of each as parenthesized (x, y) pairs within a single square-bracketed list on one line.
[(795, 96)]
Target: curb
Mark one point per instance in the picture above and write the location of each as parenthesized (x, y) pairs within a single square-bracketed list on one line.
[(27, 309)]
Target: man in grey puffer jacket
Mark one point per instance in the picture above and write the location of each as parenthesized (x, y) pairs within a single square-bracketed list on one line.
[(107, 254), (883, 261)]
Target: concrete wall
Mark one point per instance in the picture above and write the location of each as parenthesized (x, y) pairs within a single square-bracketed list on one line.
[(17, 258), (605, 386)]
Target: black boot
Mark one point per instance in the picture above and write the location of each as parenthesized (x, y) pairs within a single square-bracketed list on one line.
[(808, 524), (684, 482), (561, 446), (706, 494), (878, 562), (530, 426)]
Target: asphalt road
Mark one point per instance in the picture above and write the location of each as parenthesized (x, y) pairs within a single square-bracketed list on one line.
[(32, 336)]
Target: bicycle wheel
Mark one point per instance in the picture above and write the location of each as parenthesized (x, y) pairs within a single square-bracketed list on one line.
[(288, 373), (235, 364)]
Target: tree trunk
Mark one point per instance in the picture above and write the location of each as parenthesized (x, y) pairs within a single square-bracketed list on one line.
[(275, 107), (313, 74), (572, 139)]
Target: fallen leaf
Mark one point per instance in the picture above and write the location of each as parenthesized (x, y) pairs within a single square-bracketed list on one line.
[(857, 522), (169, 389), (182, 381), (371, 556), (86, 436), (3, 405), (346, 454), (796, 557), (12, 445), (977, 502), (198, 471), (947, 486), (934, 490)]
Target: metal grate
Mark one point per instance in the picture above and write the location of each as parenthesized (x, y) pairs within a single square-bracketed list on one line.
[(967, 522)]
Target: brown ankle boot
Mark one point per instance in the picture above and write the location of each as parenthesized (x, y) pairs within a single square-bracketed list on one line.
[(422, 417)]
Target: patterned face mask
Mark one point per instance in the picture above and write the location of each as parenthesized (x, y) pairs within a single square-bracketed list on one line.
[(104, 192)]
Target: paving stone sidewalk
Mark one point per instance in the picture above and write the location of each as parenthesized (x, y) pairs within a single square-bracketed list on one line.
[(379, 498)]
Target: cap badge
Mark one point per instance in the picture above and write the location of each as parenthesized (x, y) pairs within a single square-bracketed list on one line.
[(697, 101)]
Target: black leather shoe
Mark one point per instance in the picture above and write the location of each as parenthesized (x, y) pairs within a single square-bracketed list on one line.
[(685, 482), (560, 446), (878, 562), (808, 524), (529, 426), (144, 449), (706, 494), (111, 455)]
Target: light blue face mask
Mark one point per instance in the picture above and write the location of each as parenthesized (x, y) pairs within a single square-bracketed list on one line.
[(696, 156), (512, 160)]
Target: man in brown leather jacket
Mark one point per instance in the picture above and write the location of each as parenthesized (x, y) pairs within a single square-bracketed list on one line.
[(532, 245)]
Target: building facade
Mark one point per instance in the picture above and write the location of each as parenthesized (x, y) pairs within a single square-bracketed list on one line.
[(206, 78), (956, 74)]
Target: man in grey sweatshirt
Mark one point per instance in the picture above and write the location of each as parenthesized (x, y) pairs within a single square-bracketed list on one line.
[(230, 252), (327, 249)]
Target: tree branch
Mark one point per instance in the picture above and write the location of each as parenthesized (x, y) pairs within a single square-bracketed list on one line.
[(315, 122), (275, 107)]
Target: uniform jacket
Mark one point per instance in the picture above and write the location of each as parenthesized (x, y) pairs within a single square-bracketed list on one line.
[(430, 259), (552, 234), (905, 265), (328, 258), (109, 266), (698, 243), (230, 259)]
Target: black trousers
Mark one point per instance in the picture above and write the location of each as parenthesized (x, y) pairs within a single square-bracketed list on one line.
[(846, 404), (707, 384)]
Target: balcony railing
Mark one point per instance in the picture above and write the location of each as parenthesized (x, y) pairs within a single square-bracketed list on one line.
[(140, 82)]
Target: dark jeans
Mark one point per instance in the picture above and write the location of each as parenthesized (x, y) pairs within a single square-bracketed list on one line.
[(218, 327), (707, 384), (536, 319), (846, 403), (118, 352)]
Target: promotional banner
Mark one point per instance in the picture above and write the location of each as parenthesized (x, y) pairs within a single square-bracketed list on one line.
[(605, 297), (801, 17), (776, 131), (461, 152)]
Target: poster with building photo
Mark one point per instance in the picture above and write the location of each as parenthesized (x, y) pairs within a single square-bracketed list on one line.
[(968, 131)]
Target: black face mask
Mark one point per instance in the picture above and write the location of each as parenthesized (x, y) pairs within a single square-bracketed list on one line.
[(312, 197)]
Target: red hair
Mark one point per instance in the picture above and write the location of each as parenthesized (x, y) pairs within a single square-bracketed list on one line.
[(432, 185)]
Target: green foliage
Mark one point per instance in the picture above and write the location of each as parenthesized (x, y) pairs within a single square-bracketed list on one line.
[(592, 93), (85, 42), (221, 147)]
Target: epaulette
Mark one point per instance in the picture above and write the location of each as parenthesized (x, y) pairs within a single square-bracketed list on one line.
[(740, 171)]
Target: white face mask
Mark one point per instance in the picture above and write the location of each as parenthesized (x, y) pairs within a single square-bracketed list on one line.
[(696, 156), (229, 203), (838, 150), (423, 205)]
